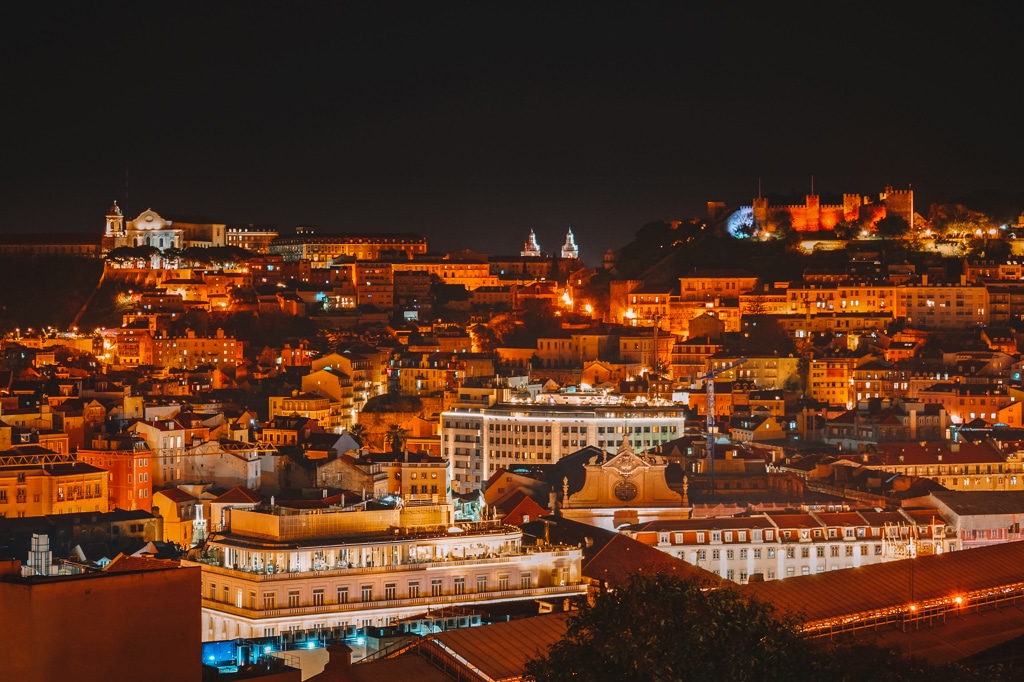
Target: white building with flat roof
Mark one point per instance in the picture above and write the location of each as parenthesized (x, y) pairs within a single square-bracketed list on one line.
[(479, 441), (282, 570)]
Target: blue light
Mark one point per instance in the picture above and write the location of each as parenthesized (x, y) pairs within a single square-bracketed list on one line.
[(361, 640), (267, 649), (310, 645), (210, 657)]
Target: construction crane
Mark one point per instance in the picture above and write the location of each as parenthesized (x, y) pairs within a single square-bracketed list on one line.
[(709, 387)]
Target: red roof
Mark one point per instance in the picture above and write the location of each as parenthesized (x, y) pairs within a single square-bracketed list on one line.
[(239, 495), (123, 563)]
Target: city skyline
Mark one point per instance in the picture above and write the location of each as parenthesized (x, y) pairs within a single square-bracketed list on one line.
[(474, 126)]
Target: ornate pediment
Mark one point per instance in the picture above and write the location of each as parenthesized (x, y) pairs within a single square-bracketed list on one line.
[(149, 220), (625, 463)]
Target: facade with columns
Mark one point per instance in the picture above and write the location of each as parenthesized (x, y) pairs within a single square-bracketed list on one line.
[(283, 570)]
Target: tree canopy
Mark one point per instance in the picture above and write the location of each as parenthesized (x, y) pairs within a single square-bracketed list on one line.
[(661, 628)]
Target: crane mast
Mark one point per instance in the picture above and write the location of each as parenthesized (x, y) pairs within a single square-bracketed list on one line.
[(709, 387)]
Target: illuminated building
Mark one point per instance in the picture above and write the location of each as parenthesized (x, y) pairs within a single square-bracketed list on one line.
[(191, 351), (779, 545), (128, 462), (148, 229), (250, 237), (479, 441), (287, 569), (531, 249), (943, 306), (36, 482), (569, 249), (329, 414), (813, 216), (322, 249)]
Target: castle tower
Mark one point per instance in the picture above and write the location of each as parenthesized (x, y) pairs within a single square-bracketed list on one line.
[(569, 249), (761, 211), (531, 248)]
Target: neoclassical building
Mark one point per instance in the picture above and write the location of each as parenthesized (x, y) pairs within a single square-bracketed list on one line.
[(628, 488), (278, 570), (149, 229)]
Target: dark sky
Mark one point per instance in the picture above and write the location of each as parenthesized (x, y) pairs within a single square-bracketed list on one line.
[(473, 122)]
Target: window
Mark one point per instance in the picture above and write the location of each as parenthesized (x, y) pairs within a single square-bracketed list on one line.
[(481, 583), (834, 550), (805, 552), (213, 591), (743, 554), (525, 581), (820, 552), (790, 553), (342, 595), (503, 582), (716, 554), (436, 587), (729, 574), (729, 554), (771, 552), (268, 600), (849, 550), (389, 590), (460, 586), (414, 589), (318, 596), (366, 593), (293, 598)]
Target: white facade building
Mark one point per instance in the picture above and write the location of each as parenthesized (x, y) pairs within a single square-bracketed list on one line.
[(479, 441), (287, 570), (782, 545)]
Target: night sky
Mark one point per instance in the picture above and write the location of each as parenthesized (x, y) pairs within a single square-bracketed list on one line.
[(472, 123)]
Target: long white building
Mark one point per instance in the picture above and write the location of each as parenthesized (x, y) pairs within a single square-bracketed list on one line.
[(479, 441), (775, 546), (283, 570)]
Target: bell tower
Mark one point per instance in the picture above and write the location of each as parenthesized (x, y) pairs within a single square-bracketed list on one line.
[(115, 234)]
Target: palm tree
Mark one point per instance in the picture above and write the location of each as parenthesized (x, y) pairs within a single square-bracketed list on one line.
[(395, 435), (358, 431)]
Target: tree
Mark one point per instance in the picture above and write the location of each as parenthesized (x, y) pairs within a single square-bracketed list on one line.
[(395, 435), (892, 227), (661, 627), (358, 431)]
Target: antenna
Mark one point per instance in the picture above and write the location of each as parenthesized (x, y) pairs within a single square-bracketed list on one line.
[(812, 184), (759, 187)]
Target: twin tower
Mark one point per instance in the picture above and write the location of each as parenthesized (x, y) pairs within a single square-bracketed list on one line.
[(569, 249)]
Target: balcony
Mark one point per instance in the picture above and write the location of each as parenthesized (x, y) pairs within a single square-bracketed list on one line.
[(212, 566), (445, 600)]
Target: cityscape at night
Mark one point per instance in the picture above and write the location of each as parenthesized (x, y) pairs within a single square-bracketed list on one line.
[(469, 343)]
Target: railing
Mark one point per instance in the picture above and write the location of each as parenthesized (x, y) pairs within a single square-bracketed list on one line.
[(211, 566), (440, 601), (905, 615)]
